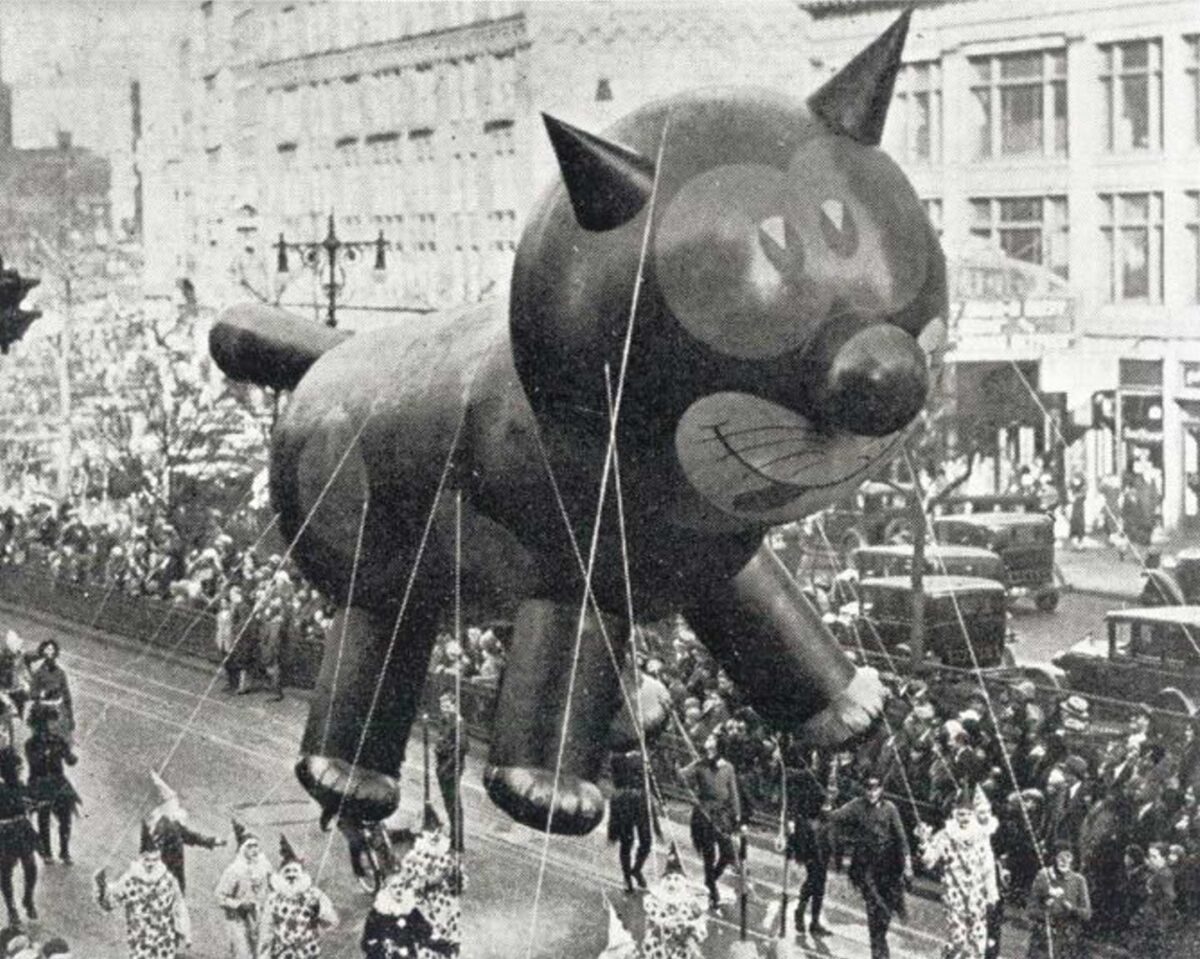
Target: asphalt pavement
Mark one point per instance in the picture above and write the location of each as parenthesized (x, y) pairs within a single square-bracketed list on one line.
[(234, 754)]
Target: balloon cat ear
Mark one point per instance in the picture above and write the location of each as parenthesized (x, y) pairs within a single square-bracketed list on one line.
[(855, 100), (608, 183)]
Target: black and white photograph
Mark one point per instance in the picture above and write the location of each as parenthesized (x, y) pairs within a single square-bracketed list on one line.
[(600, 479)]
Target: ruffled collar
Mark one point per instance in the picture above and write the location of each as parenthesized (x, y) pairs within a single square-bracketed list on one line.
[(285, 888)]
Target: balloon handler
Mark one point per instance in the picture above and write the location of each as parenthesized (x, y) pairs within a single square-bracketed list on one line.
[(740, 288)]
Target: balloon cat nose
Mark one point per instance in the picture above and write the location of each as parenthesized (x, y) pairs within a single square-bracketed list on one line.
[(869, 380)]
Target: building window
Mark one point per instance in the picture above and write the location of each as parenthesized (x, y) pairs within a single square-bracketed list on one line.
[(1029, 228), (1193, 74), (1133, 239), (917, 114), (603, 90), (1020, 104), (1193, 226), (1131, 76)]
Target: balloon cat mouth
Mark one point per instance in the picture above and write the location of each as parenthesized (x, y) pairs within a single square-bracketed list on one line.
[(756, 459)]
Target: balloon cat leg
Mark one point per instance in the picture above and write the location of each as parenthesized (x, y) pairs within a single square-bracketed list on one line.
[(532, 718), (772, 642), (363, 706)]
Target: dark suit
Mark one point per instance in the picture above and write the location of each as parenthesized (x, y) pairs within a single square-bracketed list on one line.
[(877, 863)]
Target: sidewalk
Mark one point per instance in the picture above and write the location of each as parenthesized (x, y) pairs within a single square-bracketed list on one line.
[(1098, 570)]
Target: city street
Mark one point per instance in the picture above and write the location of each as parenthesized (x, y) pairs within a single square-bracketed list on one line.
[(234, 755), (1041, 635)]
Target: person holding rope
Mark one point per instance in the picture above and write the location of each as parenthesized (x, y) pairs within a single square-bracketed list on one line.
[(432, 872), (296, 912), (396, 926), (241, 893), (880, 863), (450, 753), (17, 838), (168, 825), (1059, 910), (961, 850), (48, 753), (157, 923), (50, 692), (630, 816), (808, 839), (716, 813)]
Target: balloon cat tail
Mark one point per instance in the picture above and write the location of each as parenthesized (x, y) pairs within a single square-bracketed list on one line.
[(532, 719), (267, 346)]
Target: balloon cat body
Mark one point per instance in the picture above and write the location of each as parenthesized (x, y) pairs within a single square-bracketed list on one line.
[(788, 319)]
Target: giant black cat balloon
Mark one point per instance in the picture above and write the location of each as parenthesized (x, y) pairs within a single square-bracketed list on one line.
[(790, 310)]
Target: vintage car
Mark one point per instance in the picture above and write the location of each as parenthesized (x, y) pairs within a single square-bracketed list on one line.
[(991, 503), (875, 513), (881, 621), (896, 559), (1024, 541), (1149, 655)]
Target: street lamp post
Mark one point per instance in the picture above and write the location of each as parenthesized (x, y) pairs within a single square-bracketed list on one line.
[(332, 247)]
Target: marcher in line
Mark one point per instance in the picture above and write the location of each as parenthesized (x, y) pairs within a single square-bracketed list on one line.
[(432, 870), (450, 752), (716, 813), (50, 691), (880, 863), (17, 838), (168, 826), (630, 816), (296, 912), (396, 927), (242, 892), (809, 842), (157, 923), (1059, 910), (960, 852), (48, 753)]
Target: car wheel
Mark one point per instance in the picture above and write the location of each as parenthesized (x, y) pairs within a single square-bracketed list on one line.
[(1047, 602), (1174, 700)]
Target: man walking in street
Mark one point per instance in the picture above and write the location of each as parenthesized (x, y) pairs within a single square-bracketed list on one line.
[(716, 813), (46, 753), (880, 861)]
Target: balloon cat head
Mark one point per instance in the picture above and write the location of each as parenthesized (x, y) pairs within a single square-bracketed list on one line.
[(790, 317)]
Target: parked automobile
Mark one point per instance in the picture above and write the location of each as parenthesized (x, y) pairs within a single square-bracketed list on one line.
[(991, 503), (1148, 655), (875, 513), (896, 559), (882, 620), (1024, 541)]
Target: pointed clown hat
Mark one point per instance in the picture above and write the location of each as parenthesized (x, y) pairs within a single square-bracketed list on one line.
[(674, 863), (621, 944), (165, 793), (147, 843), (13, 642), (286, 853), (241, 834)]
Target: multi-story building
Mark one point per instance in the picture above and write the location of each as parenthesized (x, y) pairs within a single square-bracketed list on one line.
[(421, 120), (1056, 149)]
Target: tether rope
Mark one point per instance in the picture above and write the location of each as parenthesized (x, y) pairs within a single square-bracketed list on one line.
[(1022, 803), (604, 478), (408, 588), (186, 728)]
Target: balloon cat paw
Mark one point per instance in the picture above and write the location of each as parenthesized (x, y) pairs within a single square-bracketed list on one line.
[(851, 712), (356, 793)]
